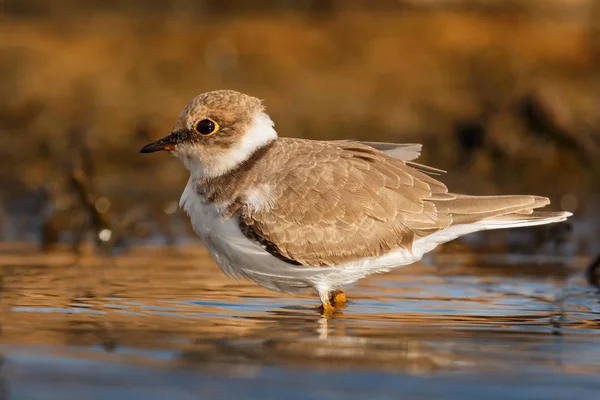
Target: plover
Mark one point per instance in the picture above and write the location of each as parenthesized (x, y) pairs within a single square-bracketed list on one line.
[(295, 214)]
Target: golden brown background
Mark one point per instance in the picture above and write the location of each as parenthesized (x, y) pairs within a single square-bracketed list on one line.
[(505, 94)]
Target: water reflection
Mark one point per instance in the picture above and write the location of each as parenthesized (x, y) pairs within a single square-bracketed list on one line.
[(172, 309)]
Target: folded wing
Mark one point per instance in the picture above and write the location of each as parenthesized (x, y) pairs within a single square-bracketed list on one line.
[(335, 202)]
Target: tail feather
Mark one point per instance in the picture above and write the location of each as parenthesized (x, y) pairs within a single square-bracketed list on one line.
[(522, 220), (471, 209), (477, 213), (517, 220)]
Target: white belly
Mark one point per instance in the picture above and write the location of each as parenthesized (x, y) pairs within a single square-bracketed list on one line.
[(238, 256)]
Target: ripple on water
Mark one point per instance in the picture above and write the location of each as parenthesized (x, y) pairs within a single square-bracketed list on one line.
[(180, 327)]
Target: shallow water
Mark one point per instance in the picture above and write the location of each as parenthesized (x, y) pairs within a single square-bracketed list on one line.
[(165, 323)]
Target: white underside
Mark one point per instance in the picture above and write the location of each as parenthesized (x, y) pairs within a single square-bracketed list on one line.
[(240, 257)]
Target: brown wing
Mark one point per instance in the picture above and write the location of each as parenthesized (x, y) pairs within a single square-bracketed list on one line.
[(333, 202)]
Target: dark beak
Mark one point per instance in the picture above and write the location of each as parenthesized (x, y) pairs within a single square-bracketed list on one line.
[(167, 144)]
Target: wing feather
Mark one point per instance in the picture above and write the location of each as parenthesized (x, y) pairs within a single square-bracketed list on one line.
[(326, 203), (339, 201)]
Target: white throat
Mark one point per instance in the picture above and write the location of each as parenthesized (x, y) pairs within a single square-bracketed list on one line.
[(260, 133)]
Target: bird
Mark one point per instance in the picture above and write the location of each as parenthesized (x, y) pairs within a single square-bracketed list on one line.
[(297, 215)]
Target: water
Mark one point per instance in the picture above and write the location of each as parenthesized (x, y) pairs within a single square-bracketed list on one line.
[(165, 323)]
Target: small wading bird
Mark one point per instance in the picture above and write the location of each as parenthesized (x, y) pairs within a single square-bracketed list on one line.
[(293, 214)]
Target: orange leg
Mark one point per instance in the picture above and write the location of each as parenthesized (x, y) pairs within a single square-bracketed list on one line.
[(338, 298), (326, 308)]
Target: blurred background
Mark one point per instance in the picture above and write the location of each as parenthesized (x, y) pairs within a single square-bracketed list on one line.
[(505, 94)]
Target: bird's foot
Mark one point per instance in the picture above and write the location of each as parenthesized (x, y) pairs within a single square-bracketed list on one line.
[(326, 309), (338, 299), (331, 303)]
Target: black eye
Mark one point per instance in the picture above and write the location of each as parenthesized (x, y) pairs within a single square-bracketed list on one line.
[(206, 127)]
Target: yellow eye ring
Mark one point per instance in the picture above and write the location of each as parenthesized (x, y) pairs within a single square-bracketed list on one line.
[(206, 127)]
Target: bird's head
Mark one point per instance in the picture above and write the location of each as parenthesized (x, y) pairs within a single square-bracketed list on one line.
[(216, 132)]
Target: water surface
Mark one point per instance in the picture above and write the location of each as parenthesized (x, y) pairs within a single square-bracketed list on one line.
[(165, 323)]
